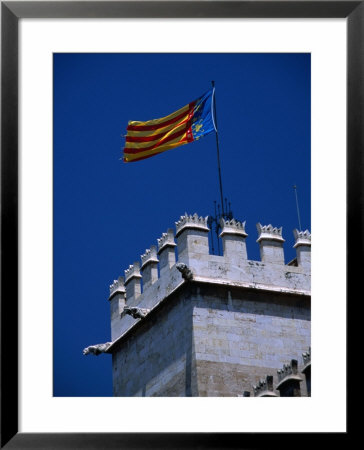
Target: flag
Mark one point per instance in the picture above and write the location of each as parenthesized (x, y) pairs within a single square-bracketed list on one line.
[(188, 124)]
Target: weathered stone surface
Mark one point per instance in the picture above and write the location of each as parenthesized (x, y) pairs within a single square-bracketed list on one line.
[(117, 303), (221, 331), (157, 359), (289, 380), (149, 266), (303, 248), (264, 387), (166, 252), (230, 350)]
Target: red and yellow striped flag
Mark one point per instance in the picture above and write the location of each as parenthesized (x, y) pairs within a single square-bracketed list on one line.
[(146, 139)]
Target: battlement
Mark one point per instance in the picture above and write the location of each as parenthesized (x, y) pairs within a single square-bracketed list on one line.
[(289, 370), (146, 286), (269, 232), (306, 357), (264, 388), (167, 240), (191, 222), (232, 227), (302, 238), (133, 271), (288, 380), (303, 247), (117, 287), (150, 256)]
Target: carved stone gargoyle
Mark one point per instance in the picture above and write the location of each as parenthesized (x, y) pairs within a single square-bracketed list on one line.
[(135, 312), (185, 271), (96, 349)]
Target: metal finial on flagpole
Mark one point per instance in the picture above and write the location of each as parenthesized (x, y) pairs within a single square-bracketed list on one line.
[(225, 213), (298, 210), (217, 148)]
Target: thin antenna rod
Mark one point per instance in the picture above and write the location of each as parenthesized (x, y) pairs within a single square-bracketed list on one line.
[(298, 210), (218, 151), (217, 228)]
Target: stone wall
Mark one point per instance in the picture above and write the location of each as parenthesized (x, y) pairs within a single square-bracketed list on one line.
[(144, 288), (240, 336), (156, 360), (188, 323), (208, 341)]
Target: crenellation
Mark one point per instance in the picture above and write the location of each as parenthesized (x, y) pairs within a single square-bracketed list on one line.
[(303, 247), (166, 240), (117, 287), (133, 282), (271, 244), (166, 252), (289, 380), (150, 256), (264, 387), (133, 271), (269, 232), (193, 241), (306, 357), (117, 303), (232, 227), (197, 265), (301, 237), (212, 325), (287, 370), (233, 236), (149, 267), (191, 222)]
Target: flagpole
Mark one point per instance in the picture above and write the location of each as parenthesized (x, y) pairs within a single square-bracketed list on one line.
[(217, 148), (298, 210)]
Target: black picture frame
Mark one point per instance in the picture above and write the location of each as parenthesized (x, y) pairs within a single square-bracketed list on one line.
[(11, 12)]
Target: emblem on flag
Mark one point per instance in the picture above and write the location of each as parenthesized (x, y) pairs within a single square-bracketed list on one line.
[(188, 124)]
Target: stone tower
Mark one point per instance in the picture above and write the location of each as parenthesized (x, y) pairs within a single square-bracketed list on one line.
[(205, 325)]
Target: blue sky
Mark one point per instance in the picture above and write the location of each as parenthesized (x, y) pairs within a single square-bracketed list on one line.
[(106, 212)]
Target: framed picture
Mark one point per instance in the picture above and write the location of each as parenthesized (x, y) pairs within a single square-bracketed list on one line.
[(57, 44)]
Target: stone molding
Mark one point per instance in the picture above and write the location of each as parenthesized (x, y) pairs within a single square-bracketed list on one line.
[(166, 240), (232, 227), (129, 330), (191, 222), (264, 388), (302, 238), (133, 271), (232, 268), (288, 372), (150, 256), (270, 233), (117, 287), (253, 285)]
